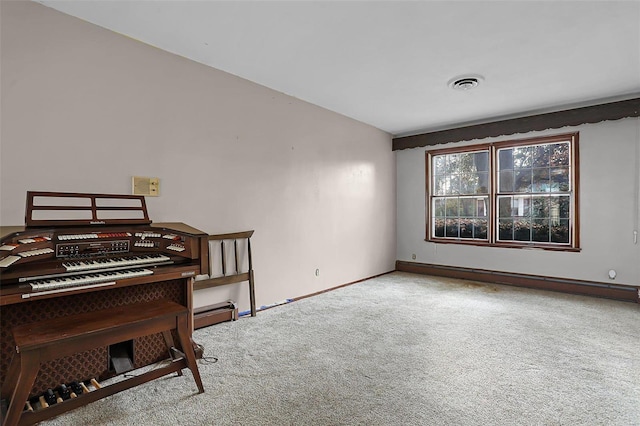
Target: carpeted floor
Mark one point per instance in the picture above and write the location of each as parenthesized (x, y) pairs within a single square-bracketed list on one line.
[(404, 349)]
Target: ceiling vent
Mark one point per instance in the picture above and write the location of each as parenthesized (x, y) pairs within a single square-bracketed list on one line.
[(466, 82)]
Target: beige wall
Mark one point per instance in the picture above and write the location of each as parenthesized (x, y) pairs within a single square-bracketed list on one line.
[(84, 109)]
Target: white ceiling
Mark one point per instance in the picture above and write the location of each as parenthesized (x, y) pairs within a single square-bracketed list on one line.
[(387, 63)]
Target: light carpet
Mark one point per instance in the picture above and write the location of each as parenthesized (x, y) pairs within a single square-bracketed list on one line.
[(404, 349)]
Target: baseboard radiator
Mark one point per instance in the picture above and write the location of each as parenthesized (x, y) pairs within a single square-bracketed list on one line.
[(215, 314), (627, 293)]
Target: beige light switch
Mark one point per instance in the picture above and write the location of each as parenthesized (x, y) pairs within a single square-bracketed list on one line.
[(147, 186)]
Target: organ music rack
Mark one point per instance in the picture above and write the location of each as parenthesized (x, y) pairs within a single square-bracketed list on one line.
[(81, 253)]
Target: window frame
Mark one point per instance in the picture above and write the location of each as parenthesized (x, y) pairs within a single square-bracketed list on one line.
[(494, 193)]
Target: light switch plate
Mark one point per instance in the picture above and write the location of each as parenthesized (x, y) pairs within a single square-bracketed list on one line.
[(147, 186)]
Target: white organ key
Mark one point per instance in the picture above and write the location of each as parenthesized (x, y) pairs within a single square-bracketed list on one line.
[(36, 252), (9, 260)]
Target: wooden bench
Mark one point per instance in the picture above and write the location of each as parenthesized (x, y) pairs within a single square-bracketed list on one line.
[(60, 337)]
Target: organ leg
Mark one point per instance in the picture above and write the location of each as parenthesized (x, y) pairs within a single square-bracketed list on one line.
[(11, 379)]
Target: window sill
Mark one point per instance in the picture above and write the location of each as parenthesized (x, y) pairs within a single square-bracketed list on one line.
[(506, 245)]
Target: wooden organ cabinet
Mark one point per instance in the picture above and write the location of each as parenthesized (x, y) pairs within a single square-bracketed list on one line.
[(80, 253)]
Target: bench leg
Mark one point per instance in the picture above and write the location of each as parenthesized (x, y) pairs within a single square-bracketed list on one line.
[(168, 341), (28, 366), (187, 347)]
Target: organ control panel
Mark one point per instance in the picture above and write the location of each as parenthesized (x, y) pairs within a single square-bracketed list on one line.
[(28, 246)]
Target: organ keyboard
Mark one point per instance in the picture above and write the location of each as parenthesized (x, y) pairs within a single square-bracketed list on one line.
[(109, 254), (117, 262), (85, 279)]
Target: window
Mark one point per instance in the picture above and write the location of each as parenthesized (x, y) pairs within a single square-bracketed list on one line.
[(514, 193), (461, 194)]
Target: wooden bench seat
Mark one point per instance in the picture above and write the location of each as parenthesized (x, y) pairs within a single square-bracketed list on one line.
[(41, 342)]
